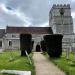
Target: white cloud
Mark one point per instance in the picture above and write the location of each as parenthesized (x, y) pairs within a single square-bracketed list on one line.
[(73, 14), (2, 6), (46, 24), (73, 0)]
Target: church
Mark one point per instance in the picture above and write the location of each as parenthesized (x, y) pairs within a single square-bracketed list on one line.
[(60, 22)]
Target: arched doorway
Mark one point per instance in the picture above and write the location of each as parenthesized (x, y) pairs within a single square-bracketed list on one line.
[(37, 38)]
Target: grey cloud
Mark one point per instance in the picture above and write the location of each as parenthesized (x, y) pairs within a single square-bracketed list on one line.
[(37, 10)]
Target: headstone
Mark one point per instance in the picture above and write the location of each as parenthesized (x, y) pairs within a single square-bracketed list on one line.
[(17, 72), (73, 46), (74, 53), (67, 53)]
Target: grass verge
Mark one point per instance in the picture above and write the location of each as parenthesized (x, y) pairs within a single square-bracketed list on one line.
[(19, 63), (68, 66)]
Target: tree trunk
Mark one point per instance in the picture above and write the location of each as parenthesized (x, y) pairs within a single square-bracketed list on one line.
[(23, 53)]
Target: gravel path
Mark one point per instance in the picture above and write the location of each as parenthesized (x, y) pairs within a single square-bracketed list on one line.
[(44, 67)]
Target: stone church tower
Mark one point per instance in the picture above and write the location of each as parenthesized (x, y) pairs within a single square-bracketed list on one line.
[(60, 19)]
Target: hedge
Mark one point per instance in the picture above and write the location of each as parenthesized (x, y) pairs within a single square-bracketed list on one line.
[(43, 45), (54, 44)]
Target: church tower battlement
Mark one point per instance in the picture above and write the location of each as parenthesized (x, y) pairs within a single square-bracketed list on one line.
[(61, 5)]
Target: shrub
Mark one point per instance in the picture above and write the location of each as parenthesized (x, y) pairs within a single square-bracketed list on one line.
[(25, 43), (54, 44), (43, 45)]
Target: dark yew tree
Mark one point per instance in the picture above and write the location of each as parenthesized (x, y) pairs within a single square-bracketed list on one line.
[(54, 44), (25, 43), (43, 45)]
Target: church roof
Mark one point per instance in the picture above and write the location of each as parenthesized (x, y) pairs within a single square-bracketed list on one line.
[(29, 30)]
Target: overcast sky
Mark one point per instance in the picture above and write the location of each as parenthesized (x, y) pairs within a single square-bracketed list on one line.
[(28, 12)]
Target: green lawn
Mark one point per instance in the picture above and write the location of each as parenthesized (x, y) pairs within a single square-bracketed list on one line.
[(68, 66), (19, 63)]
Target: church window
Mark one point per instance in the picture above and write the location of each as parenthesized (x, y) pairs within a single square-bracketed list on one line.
[(13, 35), (0, 43)]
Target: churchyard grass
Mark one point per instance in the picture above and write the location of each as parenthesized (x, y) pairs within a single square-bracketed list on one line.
[(68, 66), (18, 62)]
